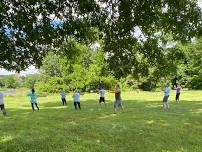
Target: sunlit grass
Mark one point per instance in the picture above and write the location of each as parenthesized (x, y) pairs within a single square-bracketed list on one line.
[(144, 127)]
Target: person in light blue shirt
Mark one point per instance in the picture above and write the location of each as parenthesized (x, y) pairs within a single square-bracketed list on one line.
[(33, 98), (76, 98), (166, 96), (63, 97)]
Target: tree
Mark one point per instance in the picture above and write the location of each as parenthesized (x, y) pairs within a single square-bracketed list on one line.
[(51, 65), (82, 69), (29, 28), (191, 72), (11, 81), (31, 80)]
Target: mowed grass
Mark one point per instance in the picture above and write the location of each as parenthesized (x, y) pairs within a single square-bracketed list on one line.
[(144, 127)]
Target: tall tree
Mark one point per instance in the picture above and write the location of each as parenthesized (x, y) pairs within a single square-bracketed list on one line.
[(28, 28), (191, 69)]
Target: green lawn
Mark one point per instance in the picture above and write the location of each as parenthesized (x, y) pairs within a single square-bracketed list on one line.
[(144, 127)]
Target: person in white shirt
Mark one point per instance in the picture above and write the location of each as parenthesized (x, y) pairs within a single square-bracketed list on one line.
[(166, 96), (76, 99), (102, 96), (2, 106)]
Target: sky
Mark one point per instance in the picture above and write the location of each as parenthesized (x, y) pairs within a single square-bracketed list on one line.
[(200, 3), (32, 70)]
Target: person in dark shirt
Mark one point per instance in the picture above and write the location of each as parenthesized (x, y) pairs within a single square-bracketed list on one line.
[(175, 82)]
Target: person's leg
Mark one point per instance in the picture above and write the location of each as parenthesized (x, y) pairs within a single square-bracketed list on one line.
[(104, 101), (75, 105), (178, 97), (3, 110), (79, 105), (65, 102), (100, 102), (119, 104), (115, 106), (115, 110), (164, 105), (37, 106), (62, 101), (32, 106), (122, 108), (167, 105)]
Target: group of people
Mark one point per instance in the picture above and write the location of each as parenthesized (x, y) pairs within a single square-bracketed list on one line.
[(76, 98), (167, 90)]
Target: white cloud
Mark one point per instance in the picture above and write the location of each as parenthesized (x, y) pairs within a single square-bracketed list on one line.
[(200, 3), (30, 70), (5, 72)]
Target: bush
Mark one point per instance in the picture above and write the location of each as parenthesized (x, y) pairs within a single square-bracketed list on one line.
[(194, 82)]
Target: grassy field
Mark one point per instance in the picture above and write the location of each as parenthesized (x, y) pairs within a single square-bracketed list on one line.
[(144, 127)]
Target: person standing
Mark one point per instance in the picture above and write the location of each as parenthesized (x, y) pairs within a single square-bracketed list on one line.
[(2, 106), (33, 98), (102, 96), (118, 100), (178, 91), (175, 82), (63, 97), (76, 98), (166, 96)]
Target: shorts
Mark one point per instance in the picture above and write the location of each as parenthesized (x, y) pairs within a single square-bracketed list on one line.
[(2, 107), (102, 99), (117, 103), (165, 98)]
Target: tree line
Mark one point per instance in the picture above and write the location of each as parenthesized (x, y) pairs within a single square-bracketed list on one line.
[(87, 69)]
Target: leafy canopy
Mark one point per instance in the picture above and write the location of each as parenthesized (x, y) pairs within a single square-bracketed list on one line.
[(29, 28)]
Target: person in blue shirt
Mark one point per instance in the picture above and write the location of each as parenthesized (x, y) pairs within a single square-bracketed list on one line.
[(166, 96), (33, 98), (76, 98), (63, 97)]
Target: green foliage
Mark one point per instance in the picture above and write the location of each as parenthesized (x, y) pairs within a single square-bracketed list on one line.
[(50, 84), (28, 30), (191, 69), (30, 80), (51, 65), (76, 67), (11, 81)]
